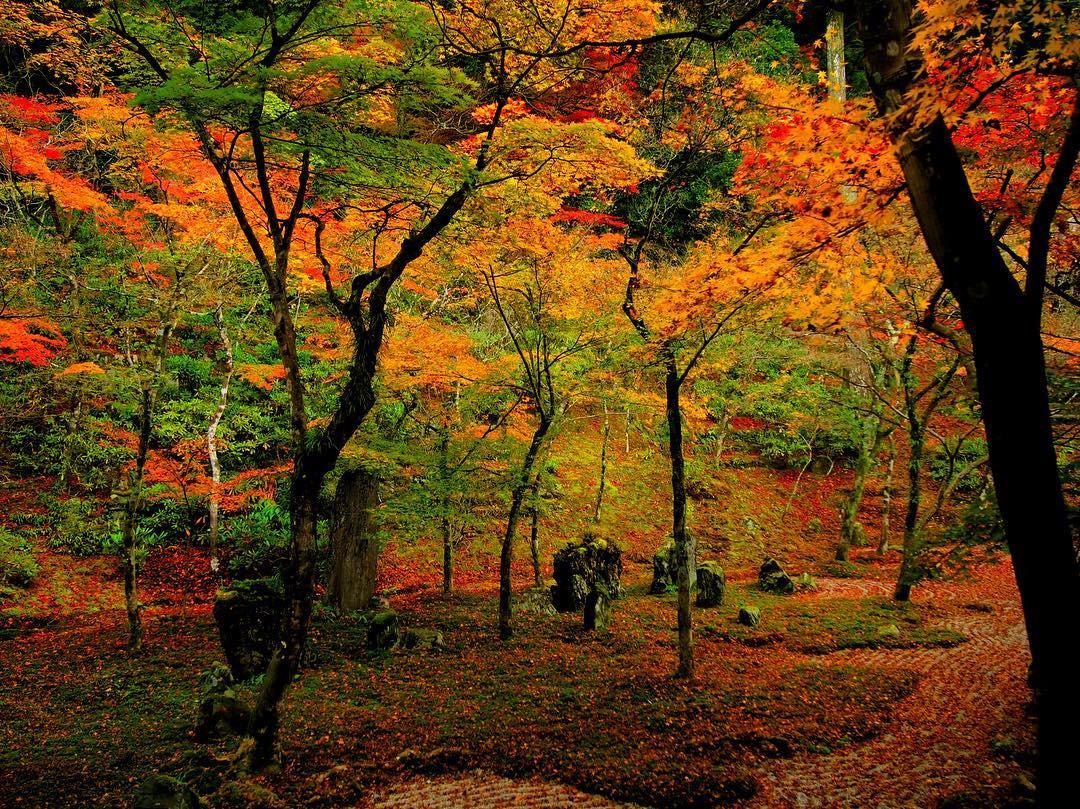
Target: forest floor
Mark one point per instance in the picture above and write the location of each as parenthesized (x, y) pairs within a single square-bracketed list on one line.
[(814, 707), (838, 698)]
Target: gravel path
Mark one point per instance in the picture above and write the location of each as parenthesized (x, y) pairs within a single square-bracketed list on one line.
[(941, 740), (939, 744)]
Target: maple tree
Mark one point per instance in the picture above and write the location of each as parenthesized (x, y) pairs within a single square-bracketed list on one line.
[(356, 299)]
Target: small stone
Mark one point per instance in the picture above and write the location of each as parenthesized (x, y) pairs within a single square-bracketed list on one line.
[(806, 582), (749, 616), (163, 792), (246, 794), (379, 604), (888, 631), (423, 639)]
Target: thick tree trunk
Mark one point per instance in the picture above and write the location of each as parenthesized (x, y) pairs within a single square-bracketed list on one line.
[(446, 527), (683, 542), (315, 456), (909, 567), (1004, 327), (354, 540), (517, 498), (285, 663)]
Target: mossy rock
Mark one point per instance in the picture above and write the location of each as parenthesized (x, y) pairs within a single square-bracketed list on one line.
[(749, 615), (221, 714), (385, 631), (579, 567), (665, 572), (598, 609), (537, 600), (430, 639), (772, 578), (164, 792)]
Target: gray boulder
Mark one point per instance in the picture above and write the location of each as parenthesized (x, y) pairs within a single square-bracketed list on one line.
[(710, 584), (598, 609)]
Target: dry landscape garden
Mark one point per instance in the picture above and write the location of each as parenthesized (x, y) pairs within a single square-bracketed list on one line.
[(539, 403)]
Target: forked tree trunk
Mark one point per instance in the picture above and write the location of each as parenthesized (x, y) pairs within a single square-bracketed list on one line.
[(354, 541), (683, 552), (1004, 324), (517, 498)]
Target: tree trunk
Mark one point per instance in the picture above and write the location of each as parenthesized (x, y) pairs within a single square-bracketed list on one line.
[(447, 554), (683, 543), (354, 540), (603, 466), (129, 560), (517, 498), (836, 65), (446, 528), (1005, 333), (909, 566), (211, 440), (534, 530), (849, 510), (886, 497), (298, 579)]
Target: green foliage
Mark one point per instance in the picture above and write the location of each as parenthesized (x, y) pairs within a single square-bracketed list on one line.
[(84, 455), (171, 519), (942, 467), (79, 526), (257, 541), (980, 525), (18, 567)]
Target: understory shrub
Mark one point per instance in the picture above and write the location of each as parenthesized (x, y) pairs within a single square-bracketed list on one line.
[(18, 567)]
